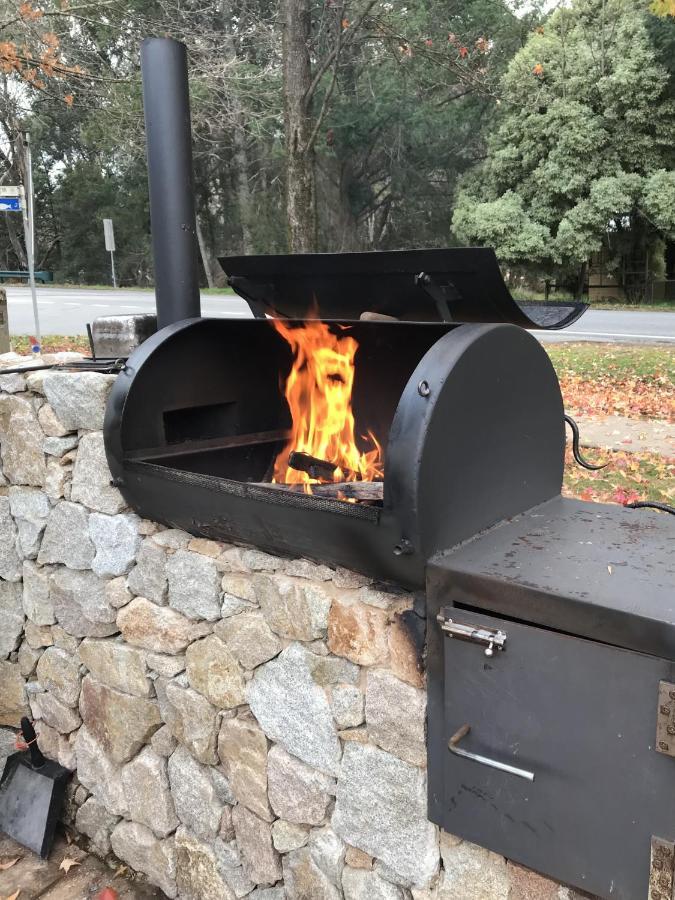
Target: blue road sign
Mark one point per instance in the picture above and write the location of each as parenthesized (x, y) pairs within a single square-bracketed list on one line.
[(10, 204)]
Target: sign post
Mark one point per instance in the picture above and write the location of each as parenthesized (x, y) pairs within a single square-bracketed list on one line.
[(28, 209), (109, 236), (4, 324), (13, 199)]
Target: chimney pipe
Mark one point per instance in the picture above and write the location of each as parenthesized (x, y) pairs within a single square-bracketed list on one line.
[(166, 103)]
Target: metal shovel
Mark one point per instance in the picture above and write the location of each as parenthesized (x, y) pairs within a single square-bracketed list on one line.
[(32, 790)]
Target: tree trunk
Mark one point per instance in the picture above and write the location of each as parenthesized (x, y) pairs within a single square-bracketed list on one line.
[(205, 254), (300, 186), (243, 187), (17, 244), (581, 281)]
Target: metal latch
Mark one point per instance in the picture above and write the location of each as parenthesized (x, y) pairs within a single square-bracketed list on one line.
[(490, 638), (665, 719)]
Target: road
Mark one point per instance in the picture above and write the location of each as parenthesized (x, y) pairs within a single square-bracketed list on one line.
[(67, 310)]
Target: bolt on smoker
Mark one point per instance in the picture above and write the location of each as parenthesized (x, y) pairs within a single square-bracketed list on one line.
[(551, 622)]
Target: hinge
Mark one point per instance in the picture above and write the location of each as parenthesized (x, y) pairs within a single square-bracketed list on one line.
[(665, 719), (661, 868), (490, 638)]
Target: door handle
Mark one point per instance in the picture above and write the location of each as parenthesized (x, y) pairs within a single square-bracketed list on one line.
[(453, 747)]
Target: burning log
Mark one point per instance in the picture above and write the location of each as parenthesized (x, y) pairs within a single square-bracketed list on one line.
[(377, 317), (351, 490), (321, 469), (361, 491)]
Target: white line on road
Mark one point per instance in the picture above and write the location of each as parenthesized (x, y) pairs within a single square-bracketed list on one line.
[(615, 335)]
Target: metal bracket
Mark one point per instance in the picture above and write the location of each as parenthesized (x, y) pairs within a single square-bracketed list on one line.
[(442, 294), (490, 638), (665, 719), (661, 869)]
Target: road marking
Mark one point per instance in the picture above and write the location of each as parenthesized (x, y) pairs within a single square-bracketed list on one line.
[(620, 335)]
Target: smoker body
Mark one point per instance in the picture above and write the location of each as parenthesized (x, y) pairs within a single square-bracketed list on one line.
[(470, 418), (580, 694)]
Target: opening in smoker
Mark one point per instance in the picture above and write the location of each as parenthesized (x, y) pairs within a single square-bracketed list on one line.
[(302, 407)]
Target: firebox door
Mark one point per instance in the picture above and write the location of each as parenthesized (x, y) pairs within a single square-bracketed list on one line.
[(567, 780)]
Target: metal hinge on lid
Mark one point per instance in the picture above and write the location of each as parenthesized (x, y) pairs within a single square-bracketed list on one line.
[(661, 869), (490, 638), (665, 719)]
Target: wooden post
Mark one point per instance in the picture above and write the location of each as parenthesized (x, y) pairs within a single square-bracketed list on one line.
[(4, 323)]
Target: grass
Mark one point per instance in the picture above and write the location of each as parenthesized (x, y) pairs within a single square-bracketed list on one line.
[(618, 362), (51, 343)]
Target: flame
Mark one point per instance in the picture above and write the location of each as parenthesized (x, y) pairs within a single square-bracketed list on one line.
[(319, 395)]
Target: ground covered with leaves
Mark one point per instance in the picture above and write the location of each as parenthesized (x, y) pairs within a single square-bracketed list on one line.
[(614, 379), (638, 382), (52, 343), (627, 477)]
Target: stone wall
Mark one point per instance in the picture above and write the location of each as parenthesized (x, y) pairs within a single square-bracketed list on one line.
[(239, 725)]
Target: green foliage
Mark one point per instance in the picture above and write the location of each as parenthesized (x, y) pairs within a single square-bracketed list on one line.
[(82, 198), (584, 143), (658, 200)]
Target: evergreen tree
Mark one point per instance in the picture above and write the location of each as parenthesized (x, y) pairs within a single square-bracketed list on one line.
[(583, 156)]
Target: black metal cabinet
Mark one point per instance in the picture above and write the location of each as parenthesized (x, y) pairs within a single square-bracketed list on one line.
[(588, 724)]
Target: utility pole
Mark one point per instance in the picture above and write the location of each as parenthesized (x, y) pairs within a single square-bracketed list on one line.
[(28, 214)]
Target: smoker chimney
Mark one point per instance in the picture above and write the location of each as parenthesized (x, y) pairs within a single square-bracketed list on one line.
[(166, 103)]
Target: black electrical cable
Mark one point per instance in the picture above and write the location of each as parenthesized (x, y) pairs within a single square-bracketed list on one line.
[(575, 446), (651, 504)]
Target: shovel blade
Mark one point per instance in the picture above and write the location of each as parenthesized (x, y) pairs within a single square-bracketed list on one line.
[(31, 801)]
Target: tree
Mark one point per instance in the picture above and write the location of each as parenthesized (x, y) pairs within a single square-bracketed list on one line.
[(585, 135)]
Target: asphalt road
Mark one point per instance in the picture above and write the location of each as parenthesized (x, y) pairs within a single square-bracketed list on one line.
[(67, 310)]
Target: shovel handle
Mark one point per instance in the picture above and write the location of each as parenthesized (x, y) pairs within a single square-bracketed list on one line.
[(37, 760)]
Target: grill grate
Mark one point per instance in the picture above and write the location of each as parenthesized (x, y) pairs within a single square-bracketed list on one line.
[(258, 492)]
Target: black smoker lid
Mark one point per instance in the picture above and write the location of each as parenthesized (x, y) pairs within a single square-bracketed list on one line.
[(454, 285)]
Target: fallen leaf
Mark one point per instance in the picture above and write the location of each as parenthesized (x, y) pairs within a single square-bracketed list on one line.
[(8, 865), (14, 895), (121, 872), (67, 864), (107, 894), (609, 569)]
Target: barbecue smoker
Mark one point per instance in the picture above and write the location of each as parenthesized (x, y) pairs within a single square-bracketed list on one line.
[(550, 622)]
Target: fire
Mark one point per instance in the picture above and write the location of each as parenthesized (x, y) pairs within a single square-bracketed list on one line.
[(319, 394)]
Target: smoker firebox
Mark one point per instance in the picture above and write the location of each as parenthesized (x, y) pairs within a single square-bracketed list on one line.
[(550, 622)]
